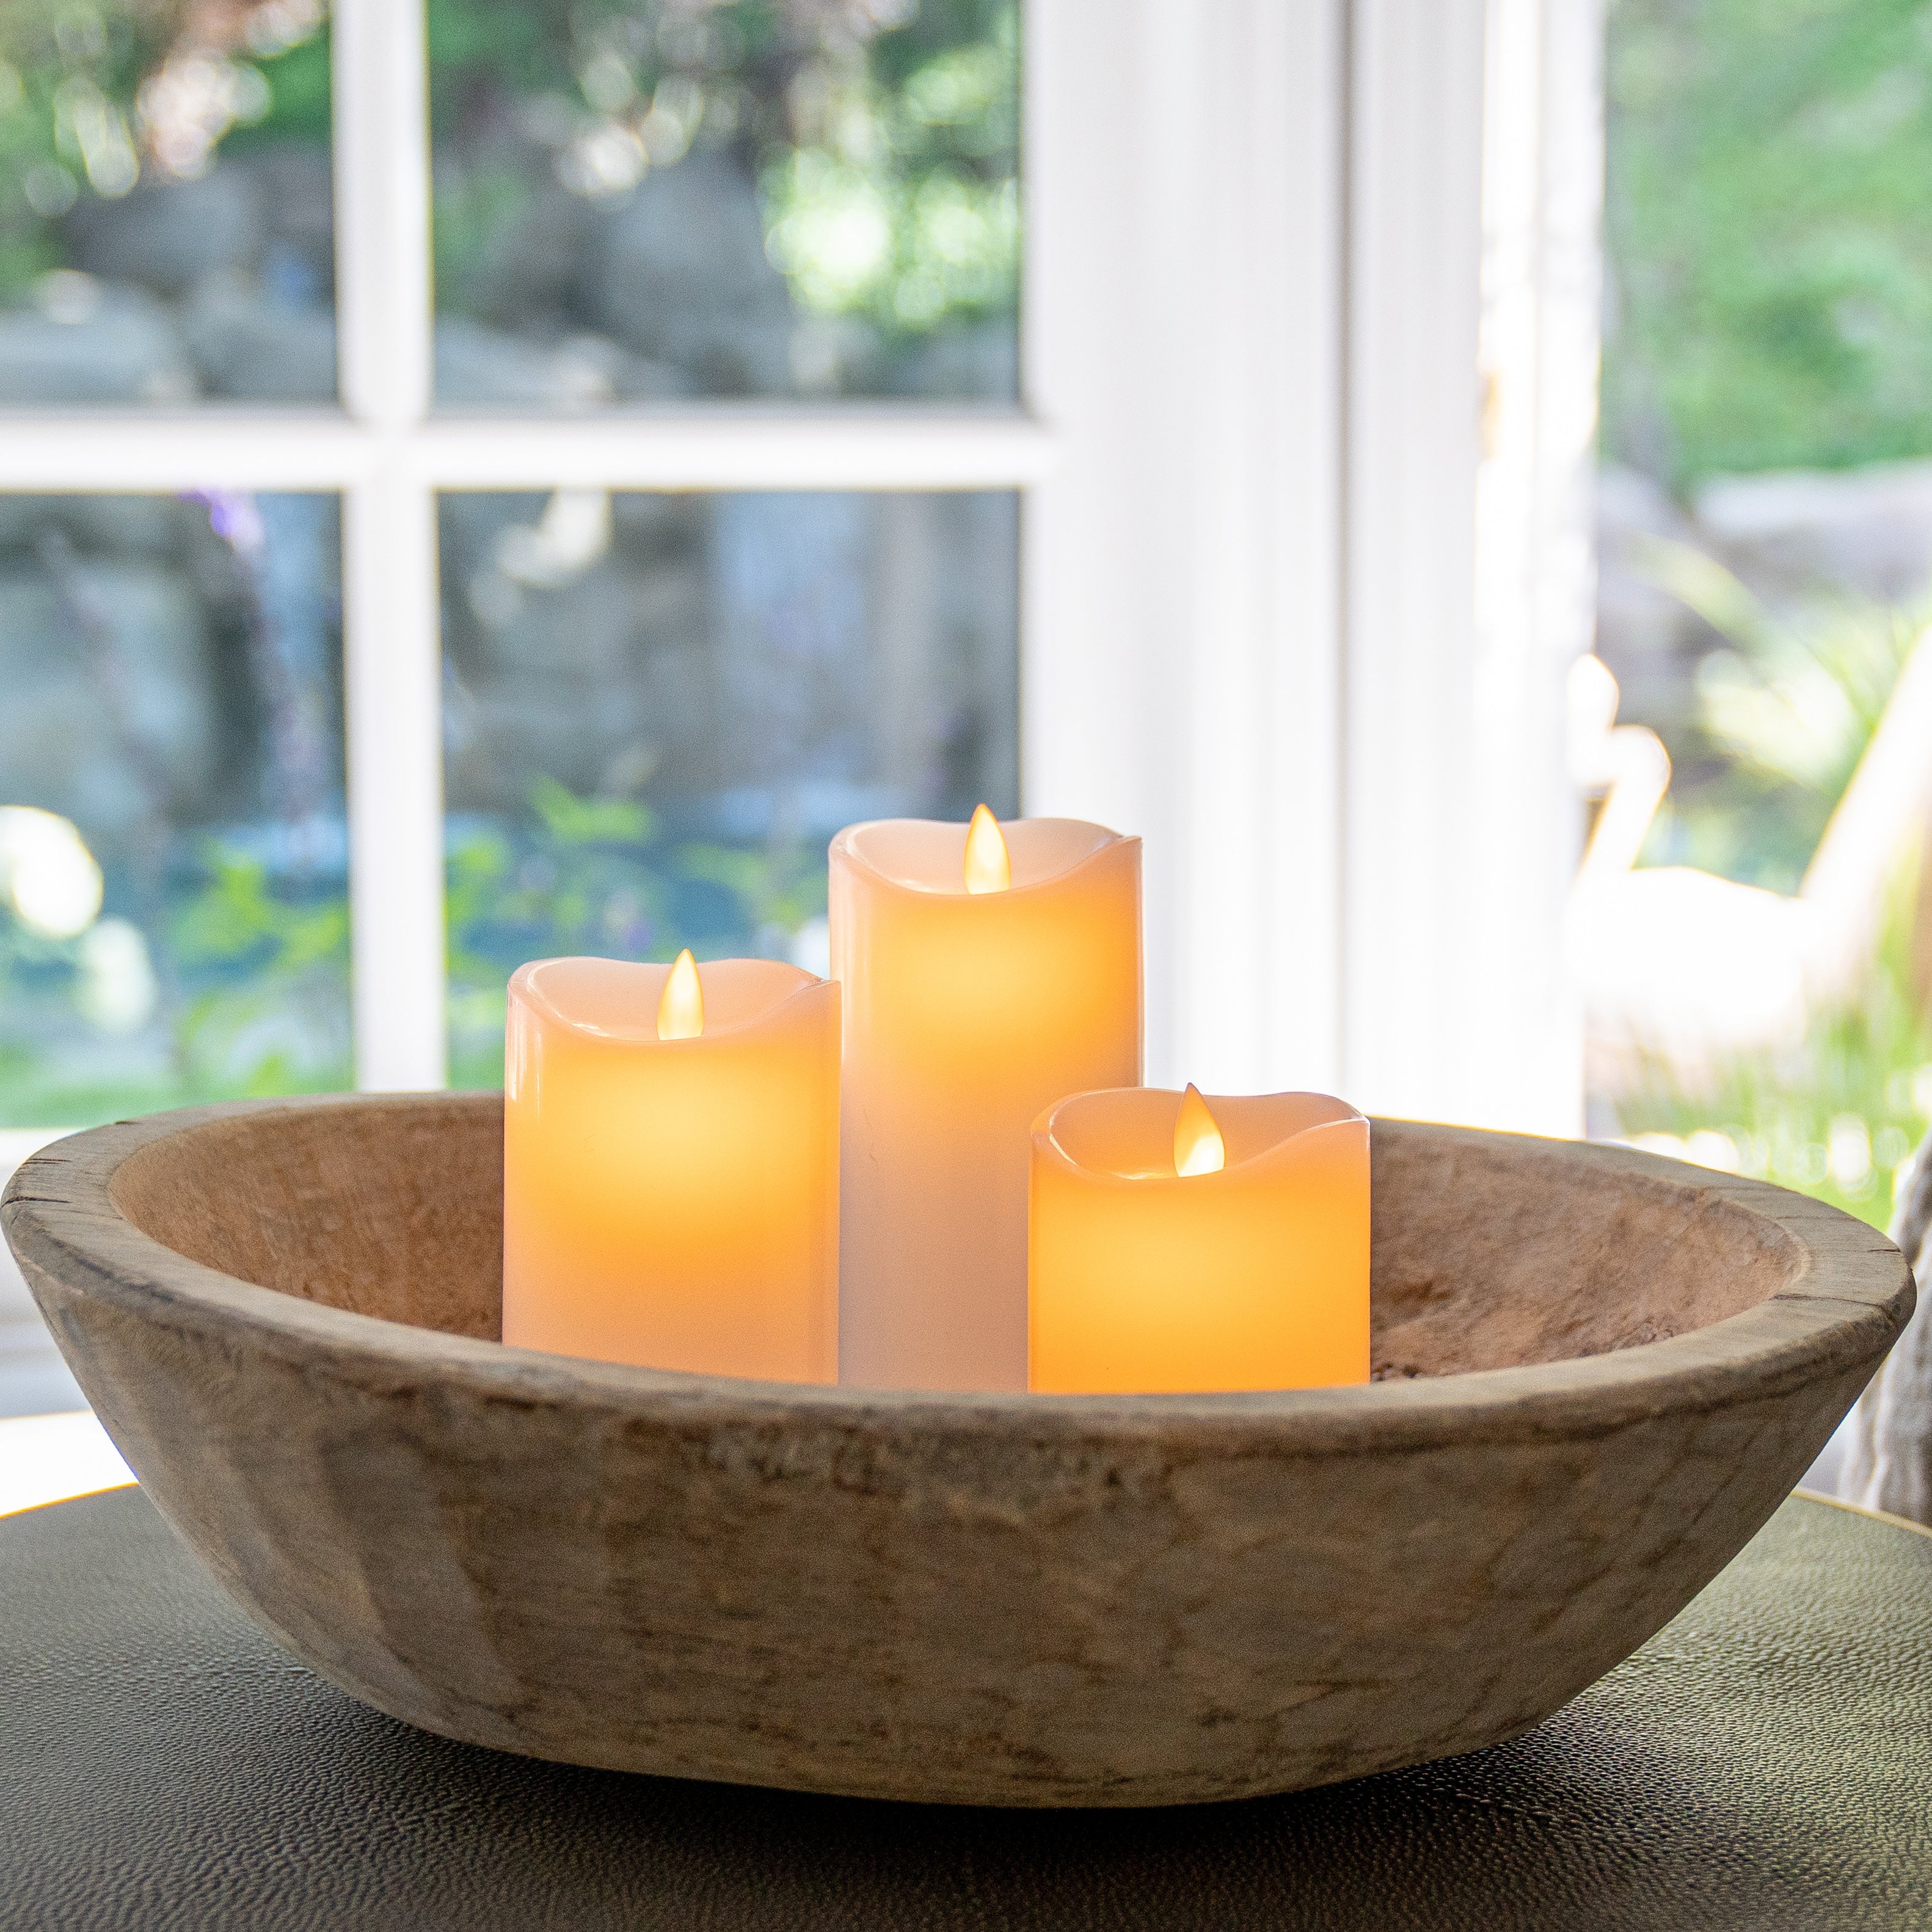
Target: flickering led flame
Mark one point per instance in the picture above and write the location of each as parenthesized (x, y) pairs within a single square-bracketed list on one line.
[(681, 1011), (1197, 1148), (989, 869)]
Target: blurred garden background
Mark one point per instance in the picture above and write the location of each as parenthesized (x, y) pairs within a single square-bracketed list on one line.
[(1765, 546), (657, 708)]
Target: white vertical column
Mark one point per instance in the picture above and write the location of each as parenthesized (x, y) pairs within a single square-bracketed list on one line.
[(382, 292), (1099, 608), (1180, 665), (1476, 165), (1535, 588), (1416, 1017), (1570, 277), (383, 306), (1261, 953), (394, 707)]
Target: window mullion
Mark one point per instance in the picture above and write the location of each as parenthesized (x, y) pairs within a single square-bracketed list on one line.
[(730, 448), (393, 709), (390, 618), (383, 300)]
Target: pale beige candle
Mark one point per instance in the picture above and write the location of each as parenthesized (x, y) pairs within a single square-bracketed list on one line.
[(670, 1175), (970, 1005)]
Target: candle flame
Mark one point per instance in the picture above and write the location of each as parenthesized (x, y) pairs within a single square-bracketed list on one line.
[(681, 1011), (1197, 1146), (989, 869)]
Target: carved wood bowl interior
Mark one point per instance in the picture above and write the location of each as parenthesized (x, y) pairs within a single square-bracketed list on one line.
[(1597, 1373)]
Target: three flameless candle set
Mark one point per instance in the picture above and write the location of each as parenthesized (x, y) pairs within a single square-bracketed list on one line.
[(938, 1169)]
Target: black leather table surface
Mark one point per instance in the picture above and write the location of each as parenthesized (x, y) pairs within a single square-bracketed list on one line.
[(1764, 1763)]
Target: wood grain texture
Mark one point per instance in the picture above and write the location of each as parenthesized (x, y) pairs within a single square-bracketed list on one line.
[(1603, 1372)]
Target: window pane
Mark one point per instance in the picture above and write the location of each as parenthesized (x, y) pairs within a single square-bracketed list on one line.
[(165, 223), (173, 906), (660, 708), (640, 200), (1765, 524)]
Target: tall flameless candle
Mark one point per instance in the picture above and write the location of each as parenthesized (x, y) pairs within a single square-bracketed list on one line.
[(670, 1165), (971, 1001), (1179, 1243)]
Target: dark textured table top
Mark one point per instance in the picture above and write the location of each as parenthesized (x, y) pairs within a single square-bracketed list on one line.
[(1764, 1763)]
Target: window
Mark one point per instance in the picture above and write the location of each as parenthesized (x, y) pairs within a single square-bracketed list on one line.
[(659, 708), (1212, 421), (172, 847), (771, 256), (1068, 406)]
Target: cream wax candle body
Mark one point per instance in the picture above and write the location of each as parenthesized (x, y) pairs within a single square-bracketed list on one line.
[(670, 1165), (1184, 1244), (967, 1011)]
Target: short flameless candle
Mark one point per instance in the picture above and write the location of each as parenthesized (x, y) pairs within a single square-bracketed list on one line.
[(1183, 1244), (670, 1165), (982, 978)]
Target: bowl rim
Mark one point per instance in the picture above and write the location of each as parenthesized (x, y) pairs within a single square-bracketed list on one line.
[(1847, 1294)]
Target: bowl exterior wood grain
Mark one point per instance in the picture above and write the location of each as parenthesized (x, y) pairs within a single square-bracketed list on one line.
[(1599, 1374)]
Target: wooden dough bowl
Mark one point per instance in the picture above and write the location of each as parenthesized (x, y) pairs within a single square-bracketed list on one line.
[(1598, 1374)]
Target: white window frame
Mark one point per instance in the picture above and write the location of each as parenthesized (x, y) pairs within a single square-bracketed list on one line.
[(1248, 456)]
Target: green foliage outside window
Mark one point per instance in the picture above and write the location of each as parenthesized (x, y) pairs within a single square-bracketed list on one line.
[(883, 139), (1786, 707), (252, 970), (1786, 704), (884, 156), (1838, 1118), (1770, 234), (72, 120), (251, 976), (1769, 228), (597, 875)]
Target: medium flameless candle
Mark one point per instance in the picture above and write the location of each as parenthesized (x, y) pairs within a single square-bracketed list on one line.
[(1179, 1243), (983, 977), (670, 1165)]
